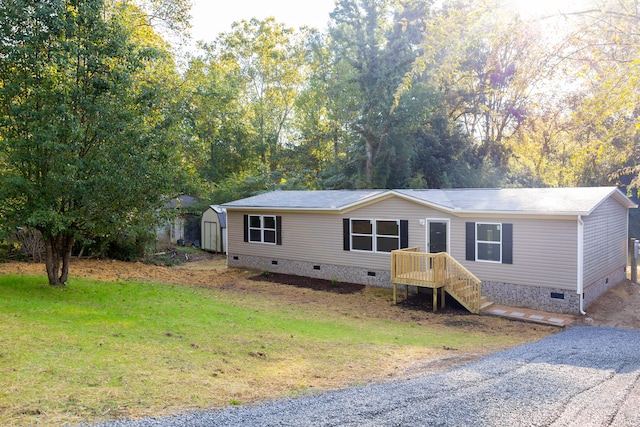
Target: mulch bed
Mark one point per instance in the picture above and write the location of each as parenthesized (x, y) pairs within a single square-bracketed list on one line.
[(423, 301), (417, 302), (310, 283)]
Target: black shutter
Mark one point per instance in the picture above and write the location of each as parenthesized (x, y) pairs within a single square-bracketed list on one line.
[(346, 234), (278, 230), (246, 228), (404, 233), (471, 241), (507, 243)]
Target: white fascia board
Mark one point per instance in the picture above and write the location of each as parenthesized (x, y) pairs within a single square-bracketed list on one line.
[(281, 209)]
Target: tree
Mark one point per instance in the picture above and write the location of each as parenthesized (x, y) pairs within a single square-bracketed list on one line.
[(604, 49), (269, 60), (374, 43), (84, 129), (583, 129), (217, 123), (484, 65)]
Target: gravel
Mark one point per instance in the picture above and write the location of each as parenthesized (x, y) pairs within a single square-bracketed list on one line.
[(584, 376)]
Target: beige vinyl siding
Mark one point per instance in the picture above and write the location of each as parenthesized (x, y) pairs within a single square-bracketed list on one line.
[(318, 237), (544, 249), (605, 240), (396, 208), (309, 237), (544, 252)]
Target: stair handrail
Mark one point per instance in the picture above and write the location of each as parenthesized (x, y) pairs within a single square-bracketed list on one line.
[(463, 275)]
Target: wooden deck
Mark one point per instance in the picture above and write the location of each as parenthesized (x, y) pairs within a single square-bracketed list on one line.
[(437, 271)]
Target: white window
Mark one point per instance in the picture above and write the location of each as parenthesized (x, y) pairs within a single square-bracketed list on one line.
[(488, 242), (262, 229), (375, 235)]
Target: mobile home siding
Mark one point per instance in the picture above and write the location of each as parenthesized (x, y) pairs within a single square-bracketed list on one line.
[(605, 241), (544, 252), (318, 237)]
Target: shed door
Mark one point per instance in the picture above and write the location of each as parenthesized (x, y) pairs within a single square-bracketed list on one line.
[(437, 236), (210, 238)]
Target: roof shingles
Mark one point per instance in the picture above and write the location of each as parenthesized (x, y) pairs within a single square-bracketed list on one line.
[(560, 201)]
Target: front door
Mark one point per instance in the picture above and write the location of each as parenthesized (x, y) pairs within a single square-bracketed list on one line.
[(437, 236)]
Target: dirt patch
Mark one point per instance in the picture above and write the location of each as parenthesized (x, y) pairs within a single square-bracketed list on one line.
[(619, 307), (310, 283)]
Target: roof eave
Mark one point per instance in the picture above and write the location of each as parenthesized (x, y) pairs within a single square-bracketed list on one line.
[(282, 209), (469, 212)]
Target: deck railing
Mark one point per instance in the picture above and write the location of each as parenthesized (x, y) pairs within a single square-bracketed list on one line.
[(413, 268)]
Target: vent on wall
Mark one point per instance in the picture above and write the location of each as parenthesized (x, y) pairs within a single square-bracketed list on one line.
[(235, 257), (316, 267), (274, 262), (557, 295), (371, 273)]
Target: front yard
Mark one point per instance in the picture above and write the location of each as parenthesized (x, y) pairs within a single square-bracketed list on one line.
[(130, 339)]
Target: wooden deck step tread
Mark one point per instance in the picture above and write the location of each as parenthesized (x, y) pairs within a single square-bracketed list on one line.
[(485, 304)]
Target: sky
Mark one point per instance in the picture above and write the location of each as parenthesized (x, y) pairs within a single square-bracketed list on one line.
[(211, 17)]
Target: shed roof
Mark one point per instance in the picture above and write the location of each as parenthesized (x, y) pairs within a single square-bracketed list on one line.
[(222, 214), (533, 201)]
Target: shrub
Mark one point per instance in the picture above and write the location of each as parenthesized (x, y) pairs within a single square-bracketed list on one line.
[(10, 251)]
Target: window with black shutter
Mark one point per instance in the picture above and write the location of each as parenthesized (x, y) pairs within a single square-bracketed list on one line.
[(375, 235), (489, 242), (263, 229)]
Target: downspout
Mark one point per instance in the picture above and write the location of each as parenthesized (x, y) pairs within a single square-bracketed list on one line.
[(580, 284)]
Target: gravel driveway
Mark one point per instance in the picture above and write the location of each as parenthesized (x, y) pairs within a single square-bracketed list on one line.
[(584, 376)]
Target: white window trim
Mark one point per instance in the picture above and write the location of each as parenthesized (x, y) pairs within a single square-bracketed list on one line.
[(489, 242), (374, 235), (262, 229)]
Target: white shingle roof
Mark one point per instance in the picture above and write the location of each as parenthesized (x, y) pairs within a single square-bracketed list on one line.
[(321, 199), (542, 201)]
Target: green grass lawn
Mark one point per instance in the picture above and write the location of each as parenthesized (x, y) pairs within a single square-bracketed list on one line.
[(100, 350)]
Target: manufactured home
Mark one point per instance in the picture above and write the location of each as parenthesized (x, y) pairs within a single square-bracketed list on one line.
[(555, 249)]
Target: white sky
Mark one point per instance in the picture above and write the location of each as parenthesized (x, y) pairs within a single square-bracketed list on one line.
[(211, 17)]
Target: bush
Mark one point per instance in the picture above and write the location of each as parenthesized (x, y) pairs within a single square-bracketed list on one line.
[(125, 247), (31, 243), (10, 251)]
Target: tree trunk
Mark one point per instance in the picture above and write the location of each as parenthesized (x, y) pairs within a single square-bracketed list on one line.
[(368, 171), (58, 256)]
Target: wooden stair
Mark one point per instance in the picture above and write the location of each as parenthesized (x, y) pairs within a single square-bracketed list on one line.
[(485, 303), (437, 271)]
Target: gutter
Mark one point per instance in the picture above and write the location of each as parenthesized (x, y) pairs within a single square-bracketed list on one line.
[(580, 284)]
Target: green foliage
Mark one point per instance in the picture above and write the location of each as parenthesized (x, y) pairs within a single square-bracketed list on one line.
[(128, 246), (97, 128), (85, 133), (10, 251)]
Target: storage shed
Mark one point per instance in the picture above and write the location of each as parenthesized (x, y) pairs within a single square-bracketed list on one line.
[(213, 229), (184, 228)]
